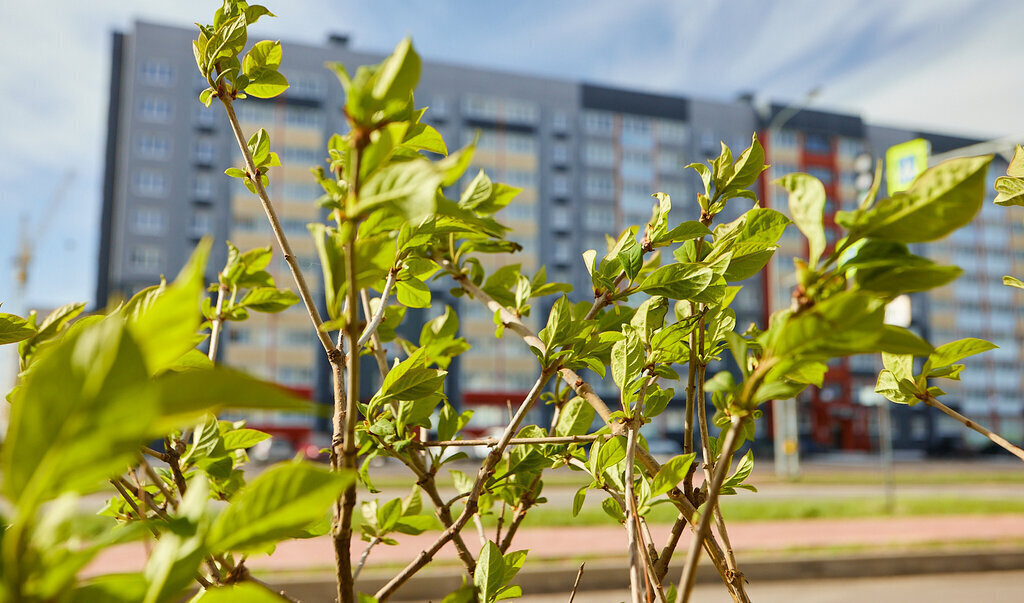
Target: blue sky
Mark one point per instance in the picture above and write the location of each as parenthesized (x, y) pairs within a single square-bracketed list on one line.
[(945, 65)]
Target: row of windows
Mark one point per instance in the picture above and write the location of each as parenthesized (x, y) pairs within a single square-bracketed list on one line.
[(636, 128), (299, 117), (152, 221), (247, 336), (502, 109)]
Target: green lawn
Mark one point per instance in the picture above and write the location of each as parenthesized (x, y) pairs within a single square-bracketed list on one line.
[(735, 510)]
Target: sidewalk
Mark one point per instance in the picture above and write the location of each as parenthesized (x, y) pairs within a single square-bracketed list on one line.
[(771, 538)]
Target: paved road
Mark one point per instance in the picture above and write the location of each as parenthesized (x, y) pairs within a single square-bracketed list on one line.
[(993, 587)]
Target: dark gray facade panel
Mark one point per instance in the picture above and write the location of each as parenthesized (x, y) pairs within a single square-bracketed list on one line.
[(640, 103)]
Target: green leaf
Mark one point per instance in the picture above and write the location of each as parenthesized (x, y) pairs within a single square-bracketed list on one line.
[(267, 83), (807, 207), (559, 323), (111, 588), (240, 439), (410, 379), (678, 281), (1011, 191), (14, 329), (907, 279), (79, 415), (575, 418), (409, 186), (276, 505), (953, 351), (939, 201), (1009, 281), (578, 500), (490, 572), (671, 473), (413, 293), (164, 320), (627, 358), (398, 74), (332, 260), (188, 395), (259, 147), (612, 451), (898, 340), (888, 385), (748, 166), (263, 54), (176, 557), (268, 299)]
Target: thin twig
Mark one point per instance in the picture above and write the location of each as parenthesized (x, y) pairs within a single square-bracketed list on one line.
[(160, 456), (486, 470), (995, 437), (704, 524), (378, 316), (218, 322), (275, 225), (490, 442), (661, 566), (378, 349), (516, 325), (635, 587), (480, 529), (362, 558), (157, 481), (576, 584)]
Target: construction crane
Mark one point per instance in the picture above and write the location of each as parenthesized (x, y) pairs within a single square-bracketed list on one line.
[(29, 237)]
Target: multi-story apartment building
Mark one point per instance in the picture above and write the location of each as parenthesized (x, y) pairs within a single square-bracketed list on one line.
[(587, 158)]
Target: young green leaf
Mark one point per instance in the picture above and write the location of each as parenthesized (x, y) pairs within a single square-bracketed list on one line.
[(807, 207), (276, 505)]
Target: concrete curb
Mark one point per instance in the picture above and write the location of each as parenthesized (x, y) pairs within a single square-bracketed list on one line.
[(611, 575)]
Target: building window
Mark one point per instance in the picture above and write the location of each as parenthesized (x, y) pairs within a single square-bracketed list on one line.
[(202, 223), (598, 122), (599, 154), (153, 146), (149, 183), (146, 258), (850, 147), (148, 221), (817, 143), (307, 155), (438, 107), (559, 122), (205, 117), (560, 185), (202, 187), (823, 174), (306, 85), (157, 72), (671, 131), (303, 117), (294, 375), (598, 218), (783, 139), (155, 110), (205, 150), (599, 185), (560, 153)]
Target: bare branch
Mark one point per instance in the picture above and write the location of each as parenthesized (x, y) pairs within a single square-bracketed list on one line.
[(513, 323), (576, 584), (362, 558), (218, 323), (703, 526), (490, 442), (995, 437), (275, 225), (486, 470), (378, 316)]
